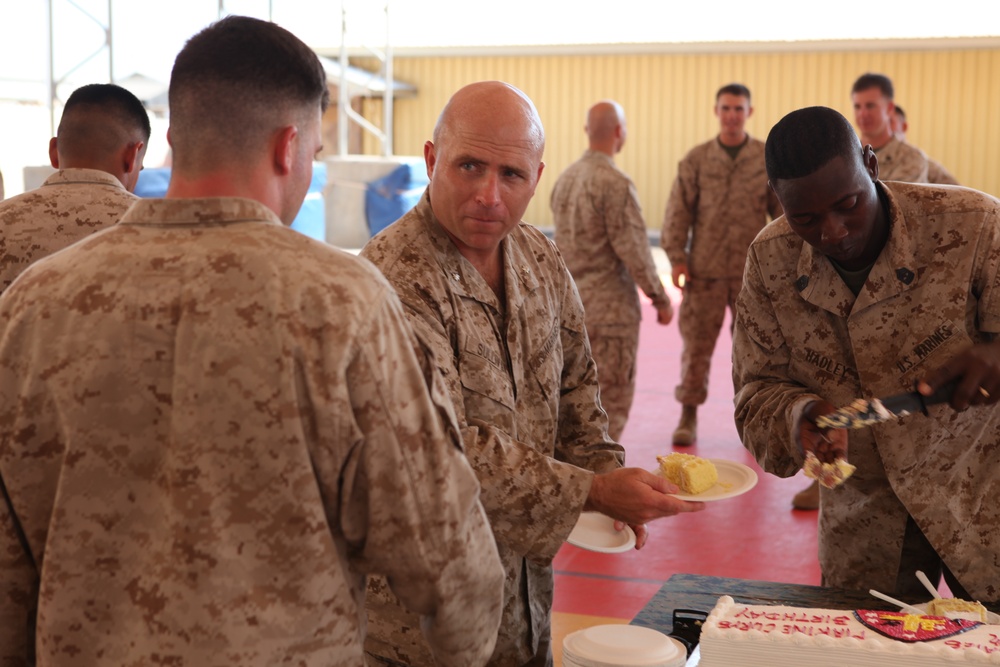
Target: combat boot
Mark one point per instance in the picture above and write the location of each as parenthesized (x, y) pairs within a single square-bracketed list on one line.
[(807, 498), (687, 430)]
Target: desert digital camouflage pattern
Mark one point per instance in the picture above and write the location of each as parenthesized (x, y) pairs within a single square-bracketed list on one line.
[(232, 430), (603, 240), (899, 161), (70, 205), (716, 207), (936, 173), (525, 390), (801, 335)]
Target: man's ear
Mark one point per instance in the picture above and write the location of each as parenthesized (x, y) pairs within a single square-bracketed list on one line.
[(284, 149), (130, 157), (54, 153), (870, 161), (430, 158)]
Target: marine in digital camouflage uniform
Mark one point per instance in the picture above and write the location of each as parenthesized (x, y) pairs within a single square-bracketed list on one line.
[(491, 298), (213, 427), (98, 149), (861, 290), (872, 96), (718, 203), (603, 239), (936, 172)]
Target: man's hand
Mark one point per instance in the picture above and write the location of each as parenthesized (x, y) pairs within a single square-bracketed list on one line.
[(826, 443), (636, 497), (679, 275), (664, 314), (977, 369)]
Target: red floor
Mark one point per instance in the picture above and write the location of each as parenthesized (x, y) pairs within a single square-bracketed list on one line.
[(755, 536)]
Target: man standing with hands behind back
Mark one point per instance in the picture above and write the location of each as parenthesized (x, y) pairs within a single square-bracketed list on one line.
[(718, 203), (491, 298), (602, 236)]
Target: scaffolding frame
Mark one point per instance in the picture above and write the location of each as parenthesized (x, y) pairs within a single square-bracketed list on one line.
[(346, 114), (54, 82)]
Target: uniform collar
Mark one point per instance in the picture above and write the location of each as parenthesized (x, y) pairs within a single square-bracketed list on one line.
[(198, 212), (80, 175)]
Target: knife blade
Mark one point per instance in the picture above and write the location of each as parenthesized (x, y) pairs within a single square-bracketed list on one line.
[(861, 412)]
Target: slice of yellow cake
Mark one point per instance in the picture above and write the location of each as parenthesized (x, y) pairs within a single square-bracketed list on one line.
[(956, 608), (690, 473)]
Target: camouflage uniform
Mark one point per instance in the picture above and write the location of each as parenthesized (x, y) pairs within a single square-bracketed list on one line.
[(716, 207), (602, 237), (525, 390), (801, 335), (899, 161), (70, 205), (231, 431), (936, 173)]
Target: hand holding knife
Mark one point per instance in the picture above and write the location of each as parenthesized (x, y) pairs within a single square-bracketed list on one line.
[(861, 413)]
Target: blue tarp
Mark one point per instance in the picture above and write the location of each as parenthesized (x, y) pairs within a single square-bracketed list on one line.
[(389, 197)]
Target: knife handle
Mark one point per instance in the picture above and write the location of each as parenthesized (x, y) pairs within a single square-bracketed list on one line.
[(942, 395)]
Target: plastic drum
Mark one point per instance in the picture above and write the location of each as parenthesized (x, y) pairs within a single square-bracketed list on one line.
[(622, 646)]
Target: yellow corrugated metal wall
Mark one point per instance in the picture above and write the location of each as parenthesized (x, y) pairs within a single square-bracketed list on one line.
[(951, 96)]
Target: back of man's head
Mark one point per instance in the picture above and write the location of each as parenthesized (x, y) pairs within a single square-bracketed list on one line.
[(233, 84), (737, 89), (805, 140), (98, 121), (870, 80)]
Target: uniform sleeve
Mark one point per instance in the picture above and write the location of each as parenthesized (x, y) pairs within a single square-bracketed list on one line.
[(532, 500), (18, 591), (630, 241), (411, 498), (767, 401), (912, 166), (679, 216)]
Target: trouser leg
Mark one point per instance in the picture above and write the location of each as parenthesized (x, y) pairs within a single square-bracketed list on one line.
[(614, 349), (702, 312)]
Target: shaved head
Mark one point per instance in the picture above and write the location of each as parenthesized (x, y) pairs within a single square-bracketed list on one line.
[(606, 127), (603, 119), (495, 103)]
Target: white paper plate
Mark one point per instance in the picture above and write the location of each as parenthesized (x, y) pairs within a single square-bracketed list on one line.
[(596, 532), (735, 479), (991, 618)]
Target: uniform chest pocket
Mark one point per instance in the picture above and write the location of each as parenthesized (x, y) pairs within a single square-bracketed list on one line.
[(481, 365)]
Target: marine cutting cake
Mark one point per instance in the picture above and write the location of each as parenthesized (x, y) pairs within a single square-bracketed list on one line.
[(746, 635)]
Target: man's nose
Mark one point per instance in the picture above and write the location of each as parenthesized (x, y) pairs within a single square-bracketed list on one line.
[(833, 231), (489, 190)]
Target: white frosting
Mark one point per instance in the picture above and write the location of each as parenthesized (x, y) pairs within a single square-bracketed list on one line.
[(773, 636)]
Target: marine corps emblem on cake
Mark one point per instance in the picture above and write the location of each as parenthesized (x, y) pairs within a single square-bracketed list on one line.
[(905, 627)]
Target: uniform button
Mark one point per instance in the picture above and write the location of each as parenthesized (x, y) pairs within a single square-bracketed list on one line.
[(802, 283), (905, 275)]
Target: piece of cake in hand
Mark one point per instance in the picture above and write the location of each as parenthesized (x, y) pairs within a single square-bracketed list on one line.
[(692, 474), (827, 474), (956, 608)]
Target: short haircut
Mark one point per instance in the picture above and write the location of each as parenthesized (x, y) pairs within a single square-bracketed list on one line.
[(805, 140), (899, 111), (99, 119), (870, 80), (733, 89), (235, 82)]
